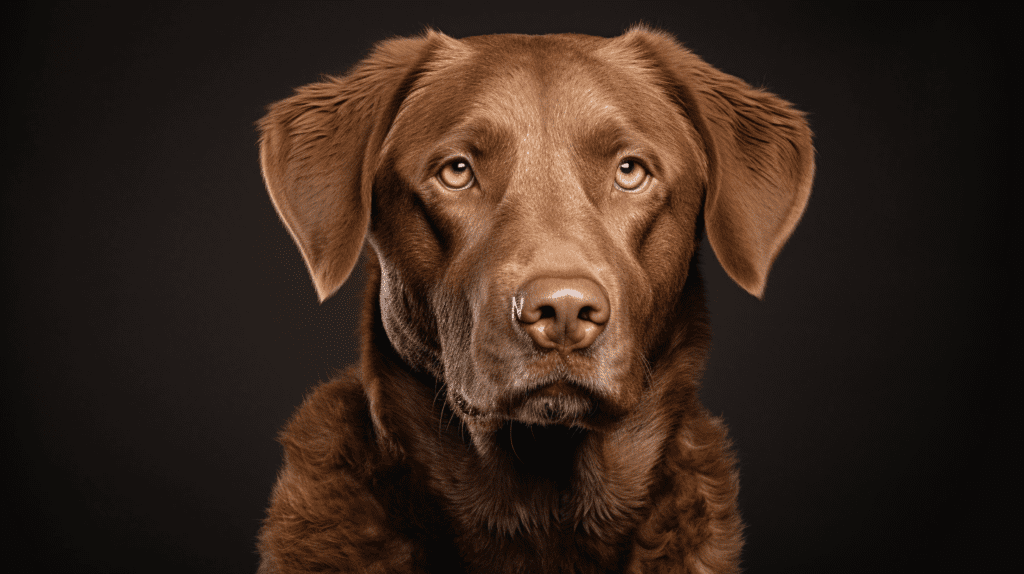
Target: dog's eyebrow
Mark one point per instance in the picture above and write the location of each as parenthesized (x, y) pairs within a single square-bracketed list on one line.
[(604, 139), (612, 137), (480, 136)]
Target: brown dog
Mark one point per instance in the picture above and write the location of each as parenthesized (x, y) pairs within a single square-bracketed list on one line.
[(535, 326)]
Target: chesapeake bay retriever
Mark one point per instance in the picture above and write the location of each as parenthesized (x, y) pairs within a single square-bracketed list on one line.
[(534, 328)]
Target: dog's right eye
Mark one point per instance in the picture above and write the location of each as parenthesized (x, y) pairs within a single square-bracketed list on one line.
[(456, 175)]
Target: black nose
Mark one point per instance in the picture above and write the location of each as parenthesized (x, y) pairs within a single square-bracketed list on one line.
[(562, 313)]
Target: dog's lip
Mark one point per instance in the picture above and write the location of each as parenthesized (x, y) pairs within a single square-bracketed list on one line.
[(557, 403), (552, 401)]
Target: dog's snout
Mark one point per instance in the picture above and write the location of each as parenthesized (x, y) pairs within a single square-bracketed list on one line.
[(562, 313)]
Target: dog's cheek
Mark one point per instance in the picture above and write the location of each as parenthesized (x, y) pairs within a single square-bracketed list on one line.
[(644, 262), (454, 307), (407, 322), (410, 258), (455, 329), (667, 255), (400, 228)]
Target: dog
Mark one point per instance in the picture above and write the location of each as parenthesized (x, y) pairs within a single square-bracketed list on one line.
[(534, 329)]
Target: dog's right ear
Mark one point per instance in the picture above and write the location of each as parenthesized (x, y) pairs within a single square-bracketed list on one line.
[(319, 148)]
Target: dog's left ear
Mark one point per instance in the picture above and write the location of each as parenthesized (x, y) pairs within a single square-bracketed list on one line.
[(760, 158)]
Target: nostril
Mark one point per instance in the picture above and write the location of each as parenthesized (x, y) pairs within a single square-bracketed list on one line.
[(547, 312), (585, 313)]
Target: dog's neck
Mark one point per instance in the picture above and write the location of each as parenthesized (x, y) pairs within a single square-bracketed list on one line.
[(608, 481)]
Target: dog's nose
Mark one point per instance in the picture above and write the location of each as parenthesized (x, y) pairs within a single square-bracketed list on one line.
[(560, 313)]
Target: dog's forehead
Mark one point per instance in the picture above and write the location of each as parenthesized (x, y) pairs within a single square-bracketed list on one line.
[(558, 85)]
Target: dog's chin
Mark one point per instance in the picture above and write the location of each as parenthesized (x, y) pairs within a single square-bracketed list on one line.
[(539, 434)]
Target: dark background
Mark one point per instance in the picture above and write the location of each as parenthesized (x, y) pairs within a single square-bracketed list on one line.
[(161, 326)]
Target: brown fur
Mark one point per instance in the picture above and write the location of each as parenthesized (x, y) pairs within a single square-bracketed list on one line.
[(472, 436)]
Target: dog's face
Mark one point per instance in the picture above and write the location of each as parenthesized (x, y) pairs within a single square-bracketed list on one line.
[(536, 198), (535, 203)]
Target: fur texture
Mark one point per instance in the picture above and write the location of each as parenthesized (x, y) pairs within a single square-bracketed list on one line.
[(534, 328)]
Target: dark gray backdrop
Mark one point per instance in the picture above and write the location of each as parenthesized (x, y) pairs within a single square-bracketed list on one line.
[(161, 327)]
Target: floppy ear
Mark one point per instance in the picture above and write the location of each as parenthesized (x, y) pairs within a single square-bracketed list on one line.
[(760, 160), (318, 151)]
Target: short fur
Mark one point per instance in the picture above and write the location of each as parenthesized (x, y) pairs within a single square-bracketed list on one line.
[(474, 436)]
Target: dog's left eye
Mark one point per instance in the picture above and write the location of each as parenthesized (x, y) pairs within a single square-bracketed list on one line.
[(456, 175), (630, 175)]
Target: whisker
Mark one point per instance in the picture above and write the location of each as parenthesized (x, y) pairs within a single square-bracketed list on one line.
[(513, 444)]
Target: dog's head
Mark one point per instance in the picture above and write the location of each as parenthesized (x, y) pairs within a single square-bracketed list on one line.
[(535, 203)]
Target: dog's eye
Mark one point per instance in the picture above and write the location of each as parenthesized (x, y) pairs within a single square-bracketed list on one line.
[(456, 175), (630, 176)]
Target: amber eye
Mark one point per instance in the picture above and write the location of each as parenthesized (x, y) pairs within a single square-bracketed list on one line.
[(456, 175), (630, 175)]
